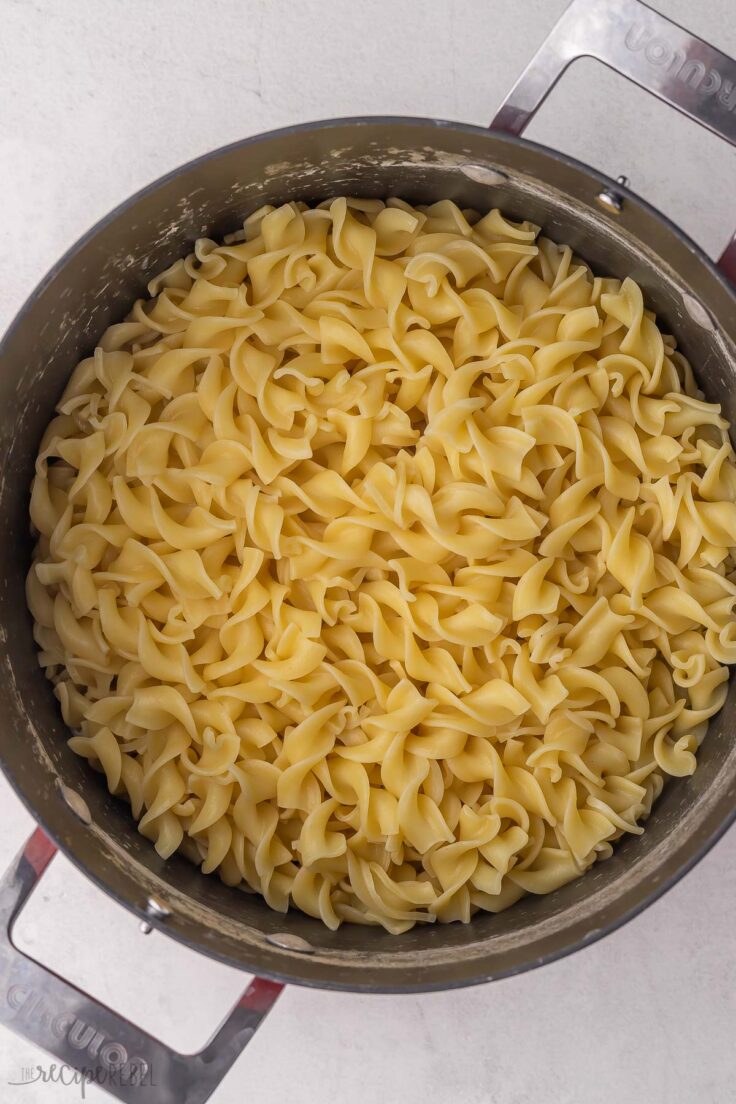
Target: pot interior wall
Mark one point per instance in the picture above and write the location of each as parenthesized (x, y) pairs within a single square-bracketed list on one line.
[(95, 285)]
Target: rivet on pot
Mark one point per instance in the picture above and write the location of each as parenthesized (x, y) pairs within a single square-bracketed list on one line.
[(610, 200), (290, 942), (483, 174), (75, 801), (157, 910), (697, 311)]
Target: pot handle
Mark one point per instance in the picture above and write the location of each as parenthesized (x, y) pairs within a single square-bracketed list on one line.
[(94, 1044), (649, 49)]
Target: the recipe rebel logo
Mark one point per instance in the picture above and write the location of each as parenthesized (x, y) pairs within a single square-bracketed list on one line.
[(59, 1073), (113, 1066)]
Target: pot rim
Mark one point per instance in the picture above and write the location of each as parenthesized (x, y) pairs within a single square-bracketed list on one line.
[(59, 815)]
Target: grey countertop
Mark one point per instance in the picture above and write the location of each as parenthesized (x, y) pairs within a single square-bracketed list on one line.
[(98, 97)]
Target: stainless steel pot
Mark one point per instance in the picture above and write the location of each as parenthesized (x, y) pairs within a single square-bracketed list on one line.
[(92, 286)]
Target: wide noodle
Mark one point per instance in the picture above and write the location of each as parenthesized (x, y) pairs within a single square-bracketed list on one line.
[(385, 561)]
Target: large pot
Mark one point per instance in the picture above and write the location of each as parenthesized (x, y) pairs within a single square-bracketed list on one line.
[(92, 286)]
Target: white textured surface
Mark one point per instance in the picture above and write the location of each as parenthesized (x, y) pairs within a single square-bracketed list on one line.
[(96, 99)]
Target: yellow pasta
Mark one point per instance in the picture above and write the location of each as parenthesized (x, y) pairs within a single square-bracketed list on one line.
[(385, 561)]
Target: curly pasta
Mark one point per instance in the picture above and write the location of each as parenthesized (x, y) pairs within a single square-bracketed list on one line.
[(385, 561)]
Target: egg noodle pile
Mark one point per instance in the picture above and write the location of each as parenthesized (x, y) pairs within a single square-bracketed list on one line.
[(385, 561)]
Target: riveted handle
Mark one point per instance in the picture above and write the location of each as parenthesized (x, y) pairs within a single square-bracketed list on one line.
[(649, 49), (85, 1035)]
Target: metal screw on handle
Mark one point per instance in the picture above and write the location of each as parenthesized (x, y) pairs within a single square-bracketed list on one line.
[(157, 910), (610, 199), (649, 49)]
